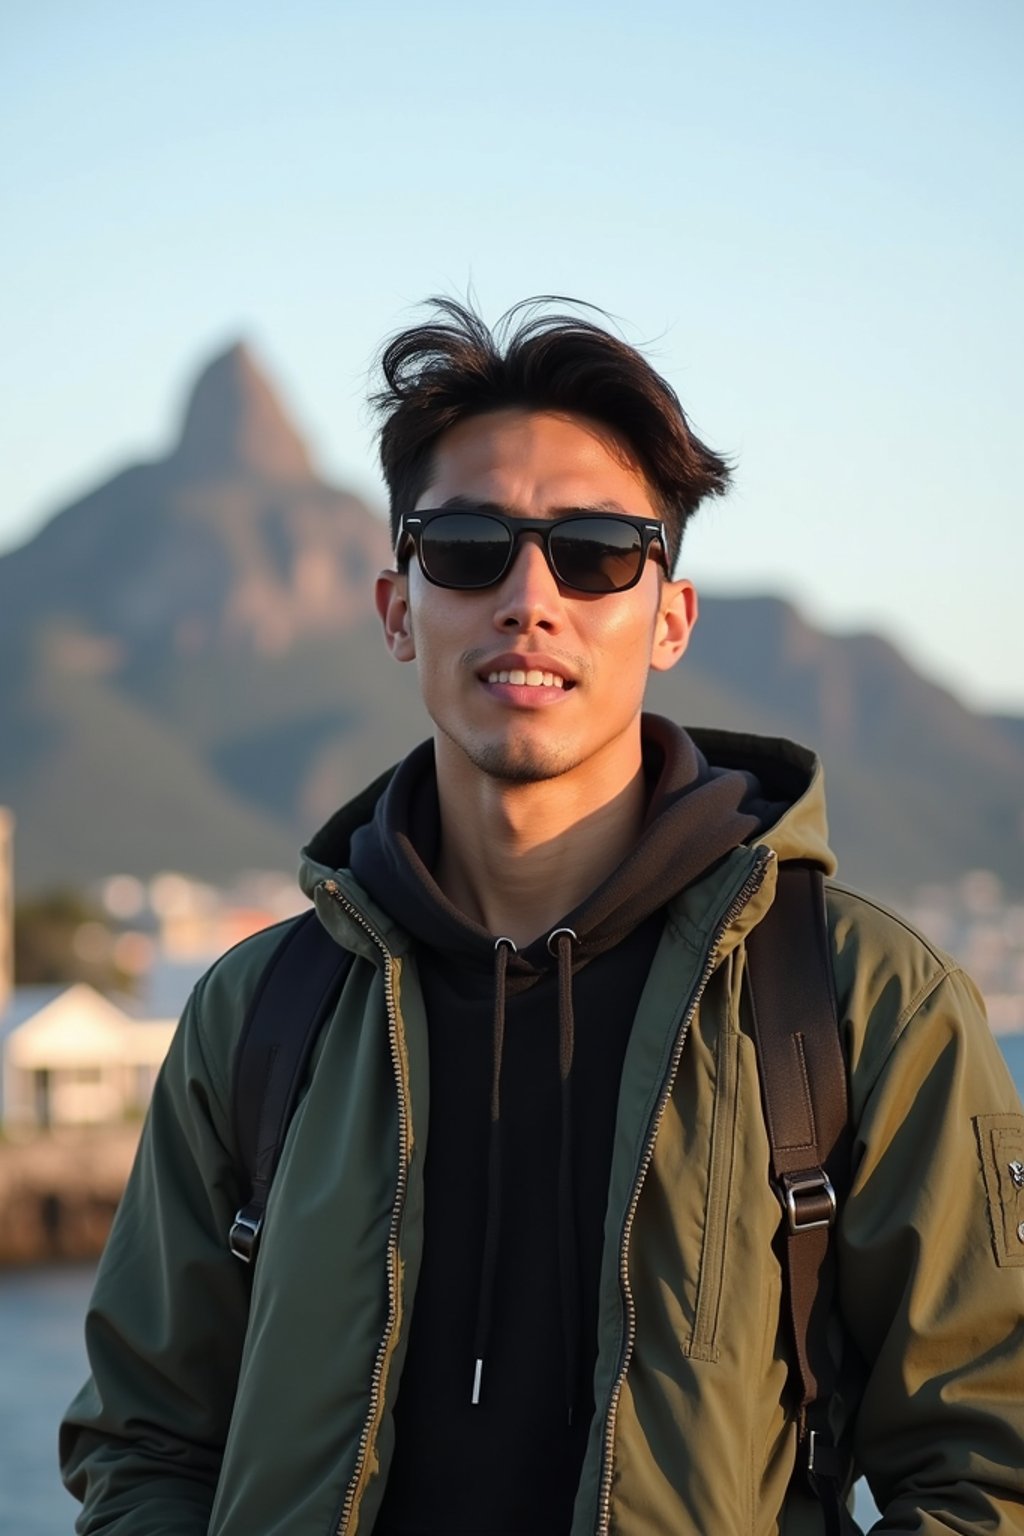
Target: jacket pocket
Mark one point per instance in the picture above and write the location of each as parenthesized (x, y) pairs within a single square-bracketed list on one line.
[(703, 1343), (1001, 1146)]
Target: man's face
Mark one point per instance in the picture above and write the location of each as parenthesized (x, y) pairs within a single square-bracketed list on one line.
[(599, 648)]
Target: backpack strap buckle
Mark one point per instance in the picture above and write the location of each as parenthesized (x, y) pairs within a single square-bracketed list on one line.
[(809, 1199), (245, 1233)]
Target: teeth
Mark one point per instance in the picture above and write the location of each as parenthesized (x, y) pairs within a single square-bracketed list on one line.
[(535, 678)]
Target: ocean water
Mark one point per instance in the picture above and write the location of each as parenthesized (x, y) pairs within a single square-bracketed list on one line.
[(42, 1364)]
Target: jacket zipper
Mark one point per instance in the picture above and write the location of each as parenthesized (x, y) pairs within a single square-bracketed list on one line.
[(335, 892), (751, 885)]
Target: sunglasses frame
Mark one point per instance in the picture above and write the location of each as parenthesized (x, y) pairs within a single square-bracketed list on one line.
[(413, 524)]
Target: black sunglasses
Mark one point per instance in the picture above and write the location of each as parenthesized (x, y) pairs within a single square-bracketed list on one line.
[(586, 551)]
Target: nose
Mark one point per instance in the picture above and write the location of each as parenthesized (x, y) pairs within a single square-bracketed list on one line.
[(528, 596)]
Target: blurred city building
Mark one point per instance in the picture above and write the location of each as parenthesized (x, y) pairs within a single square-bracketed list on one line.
[(983, 929), (70, 1057)]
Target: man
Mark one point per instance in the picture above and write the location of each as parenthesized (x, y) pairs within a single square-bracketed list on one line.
[(519, 1271)]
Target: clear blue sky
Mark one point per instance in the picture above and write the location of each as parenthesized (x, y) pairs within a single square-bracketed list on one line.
[(811, 214)]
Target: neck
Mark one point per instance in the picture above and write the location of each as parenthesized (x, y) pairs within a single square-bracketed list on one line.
[(515, 858)]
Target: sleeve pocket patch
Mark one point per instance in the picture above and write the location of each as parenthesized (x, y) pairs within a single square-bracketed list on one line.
[(1001, 1146)]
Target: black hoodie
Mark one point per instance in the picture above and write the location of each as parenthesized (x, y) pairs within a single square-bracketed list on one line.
[(526, 1052)]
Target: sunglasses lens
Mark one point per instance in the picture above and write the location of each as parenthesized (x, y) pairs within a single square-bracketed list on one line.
[(464, 549), (596, 554)]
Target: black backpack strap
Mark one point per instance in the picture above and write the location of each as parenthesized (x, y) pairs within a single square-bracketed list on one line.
[(804, 1093), (295, 995)]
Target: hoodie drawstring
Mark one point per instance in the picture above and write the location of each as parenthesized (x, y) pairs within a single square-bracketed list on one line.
[(503, 948), (560, 943)]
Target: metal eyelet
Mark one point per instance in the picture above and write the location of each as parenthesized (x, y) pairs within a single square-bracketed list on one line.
[(557, 933)]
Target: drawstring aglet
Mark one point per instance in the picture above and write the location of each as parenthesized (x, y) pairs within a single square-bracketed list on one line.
[(477, 1374)]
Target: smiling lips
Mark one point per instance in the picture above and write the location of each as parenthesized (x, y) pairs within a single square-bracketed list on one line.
[(534, 678), (522, 678)]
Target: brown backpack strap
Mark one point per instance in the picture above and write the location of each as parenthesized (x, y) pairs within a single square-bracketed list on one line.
[(802, 1072)]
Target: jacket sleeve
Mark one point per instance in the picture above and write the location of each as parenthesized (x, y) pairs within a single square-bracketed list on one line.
[(932, 1271), (141, 1444)]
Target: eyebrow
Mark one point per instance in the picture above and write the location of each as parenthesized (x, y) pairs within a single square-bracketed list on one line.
[(467, 504)]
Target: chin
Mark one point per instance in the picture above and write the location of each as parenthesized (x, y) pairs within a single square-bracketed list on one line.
[(518, 762)]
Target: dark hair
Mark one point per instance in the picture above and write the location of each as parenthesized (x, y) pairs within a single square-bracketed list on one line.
[(454, 367)]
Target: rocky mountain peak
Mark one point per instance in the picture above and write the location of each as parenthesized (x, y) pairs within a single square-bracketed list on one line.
[(235, 422)]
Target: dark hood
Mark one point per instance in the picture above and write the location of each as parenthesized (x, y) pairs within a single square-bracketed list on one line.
[(697, 813)]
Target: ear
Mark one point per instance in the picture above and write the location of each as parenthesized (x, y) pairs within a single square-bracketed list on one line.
[(391, 595), (677, 614)]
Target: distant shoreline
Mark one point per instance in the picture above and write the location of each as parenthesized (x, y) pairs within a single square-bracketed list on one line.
[(59, 1191)]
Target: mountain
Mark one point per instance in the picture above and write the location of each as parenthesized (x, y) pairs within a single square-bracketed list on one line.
[(231, 543), (919, 788), (193, 678)]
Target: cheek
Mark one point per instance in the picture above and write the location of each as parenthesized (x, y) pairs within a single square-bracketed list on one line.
[(625, 629), (439, 624)]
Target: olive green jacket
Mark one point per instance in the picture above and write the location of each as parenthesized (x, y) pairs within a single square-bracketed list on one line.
[(212, 1410)]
